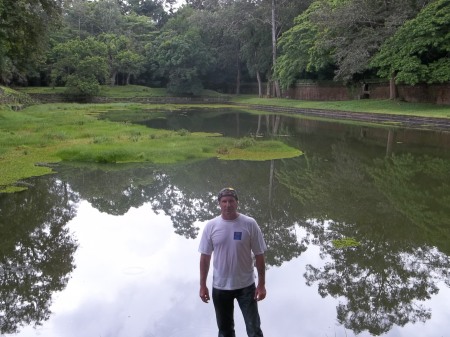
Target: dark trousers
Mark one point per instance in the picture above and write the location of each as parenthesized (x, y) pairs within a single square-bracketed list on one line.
[(224, 305)]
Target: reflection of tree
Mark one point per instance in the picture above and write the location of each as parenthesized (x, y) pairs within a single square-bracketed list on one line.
[(382, 280), (36, 252), (187, 193), (418, 187), (395, 265), (116, 191)]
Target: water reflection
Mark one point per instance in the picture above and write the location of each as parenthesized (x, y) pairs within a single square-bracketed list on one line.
[(187, 193), (36, 252), (391, 196), (396, 209)]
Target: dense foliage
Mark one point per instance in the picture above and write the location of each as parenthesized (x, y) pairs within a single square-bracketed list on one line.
[(219, 44)]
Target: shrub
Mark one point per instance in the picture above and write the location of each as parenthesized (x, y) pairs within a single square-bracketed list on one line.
[(82, 87)]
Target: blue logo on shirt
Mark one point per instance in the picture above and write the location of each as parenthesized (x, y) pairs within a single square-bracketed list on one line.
[(238, 235)]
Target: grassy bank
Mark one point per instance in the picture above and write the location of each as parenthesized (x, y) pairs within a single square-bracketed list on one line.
[(127, 91), (367, 105), (49, 133)]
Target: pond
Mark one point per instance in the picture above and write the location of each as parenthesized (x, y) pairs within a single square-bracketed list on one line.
[(358, 231)]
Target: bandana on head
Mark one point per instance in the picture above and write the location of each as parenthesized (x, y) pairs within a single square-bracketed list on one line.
[(227, 191)]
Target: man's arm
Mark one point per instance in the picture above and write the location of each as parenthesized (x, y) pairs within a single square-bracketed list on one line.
[(260, 263), (204, 269)]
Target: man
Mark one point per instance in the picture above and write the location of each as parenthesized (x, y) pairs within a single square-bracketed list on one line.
[(233, 237)]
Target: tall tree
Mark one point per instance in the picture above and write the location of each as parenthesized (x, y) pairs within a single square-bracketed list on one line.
[(182, 58), (343, 33), (24, 28), (301, 52), (354, 30), (158, 10), (81, 65), (115, 44), (280, 16), (420, 49), (256, 49)]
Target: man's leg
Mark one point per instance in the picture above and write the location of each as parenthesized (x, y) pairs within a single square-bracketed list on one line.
[(224, 305), (249, 308)]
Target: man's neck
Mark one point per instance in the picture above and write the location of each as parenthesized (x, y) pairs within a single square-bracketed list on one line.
[(230, 216)]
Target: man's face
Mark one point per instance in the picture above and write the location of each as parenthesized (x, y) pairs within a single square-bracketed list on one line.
[(228, 207)]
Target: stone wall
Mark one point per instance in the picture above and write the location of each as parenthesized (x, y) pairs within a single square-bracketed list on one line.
[(320, 92), (436, 93)]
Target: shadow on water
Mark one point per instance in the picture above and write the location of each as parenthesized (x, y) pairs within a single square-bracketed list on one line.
[(375, 186)]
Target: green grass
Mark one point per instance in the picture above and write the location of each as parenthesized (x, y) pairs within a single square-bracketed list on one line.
[(127, 91), (50, 133), (367, 105)]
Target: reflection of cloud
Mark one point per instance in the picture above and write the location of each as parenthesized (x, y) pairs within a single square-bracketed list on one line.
[(136, 278)]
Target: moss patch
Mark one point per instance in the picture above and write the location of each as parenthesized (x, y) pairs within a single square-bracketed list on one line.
[(345, 243)]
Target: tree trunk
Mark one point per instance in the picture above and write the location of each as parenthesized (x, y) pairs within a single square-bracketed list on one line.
[(268, 92), (258, 77), (277, 91), (393, 94), (238, 75), (238, 81), (113, 79)]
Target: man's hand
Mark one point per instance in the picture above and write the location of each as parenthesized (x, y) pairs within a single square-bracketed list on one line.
[(204, 268), (204, 294), (260, 263), (260, 292)]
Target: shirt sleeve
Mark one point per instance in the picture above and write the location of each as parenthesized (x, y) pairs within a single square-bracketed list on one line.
[(258, 244), (206, 246)]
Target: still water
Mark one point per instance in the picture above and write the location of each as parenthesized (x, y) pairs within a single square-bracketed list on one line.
[(358, 231)]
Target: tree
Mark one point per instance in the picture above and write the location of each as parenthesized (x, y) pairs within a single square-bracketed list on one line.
[(130, 63), (256, 51), (115, 44), (81, 65), (300, 49), (24, 28), (342, 35), (419, 51), (106, 16), (154, 9), (87, 18), (355, 30), (242, 22), (182, 57), (282, 14)]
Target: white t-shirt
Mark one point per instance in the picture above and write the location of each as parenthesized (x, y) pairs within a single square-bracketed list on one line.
[(232, 242)]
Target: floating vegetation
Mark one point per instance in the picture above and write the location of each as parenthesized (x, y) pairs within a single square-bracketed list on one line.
[(73, 132), (345, 243)]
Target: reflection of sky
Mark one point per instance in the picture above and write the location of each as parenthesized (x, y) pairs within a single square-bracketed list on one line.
[(136, 278)]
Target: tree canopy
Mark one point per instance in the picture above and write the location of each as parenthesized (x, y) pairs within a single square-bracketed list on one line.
[(220, 44), (24, 28), (419, 51)]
